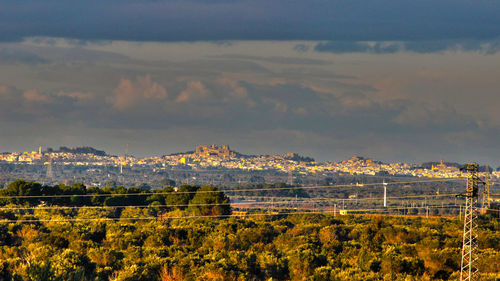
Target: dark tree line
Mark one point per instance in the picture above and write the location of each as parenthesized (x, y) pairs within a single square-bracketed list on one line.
[(166, 199)]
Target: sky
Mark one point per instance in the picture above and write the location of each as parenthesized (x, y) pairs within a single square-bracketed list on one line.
[(397, 81)]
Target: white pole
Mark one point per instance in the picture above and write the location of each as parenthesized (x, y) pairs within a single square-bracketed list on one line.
[(385, 194)]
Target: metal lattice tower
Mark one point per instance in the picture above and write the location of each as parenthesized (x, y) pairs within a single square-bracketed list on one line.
[(469, 270), (50, 172)]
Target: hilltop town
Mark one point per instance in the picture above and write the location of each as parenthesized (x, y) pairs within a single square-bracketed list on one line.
[(214, 157)]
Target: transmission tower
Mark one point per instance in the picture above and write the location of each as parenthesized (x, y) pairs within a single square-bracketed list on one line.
[(469, 270), (50, 172)]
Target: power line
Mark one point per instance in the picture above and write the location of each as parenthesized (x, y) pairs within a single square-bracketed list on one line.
[(218, 191), (302, 211), (247, 205), (287, 200), (212, 216), (157, 218), (297, 212), (347, 199)]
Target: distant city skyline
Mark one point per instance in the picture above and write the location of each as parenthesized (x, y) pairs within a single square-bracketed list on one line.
[(210, 158), (205, 149)]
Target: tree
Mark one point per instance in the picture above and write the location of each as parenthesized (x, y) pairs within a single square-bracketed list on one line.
[(145, 186), (5, 236), (209, 201), (167, 182), (22, 188)]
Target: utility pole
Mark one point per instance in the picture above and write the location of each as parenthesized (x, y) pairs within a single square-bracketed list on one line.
[(124, 159), (385, 194), (469, 270)]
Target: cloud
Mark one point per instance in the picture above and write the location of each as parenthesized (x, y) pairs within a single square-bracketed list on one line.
[(45, 50), (320, 90), (76, 95), (371, 105), (84, 43), (341, 47), (355, 100), (129, 93), (34, 96), (301, 48), (277, 59), (194, 91), (29, 106), (487, 47), (235, 89), (17, 55), (220, 20), (304, 119), (276, 82), (432, 116)]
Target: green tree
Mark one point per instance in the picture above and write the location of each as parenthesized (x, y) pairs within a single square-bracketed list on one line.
[(22, 188), (209, 201)]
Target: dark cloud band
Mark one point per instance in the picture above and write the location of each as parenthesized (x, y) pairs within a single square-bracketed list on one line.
[(421, 47), (354, 20)]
